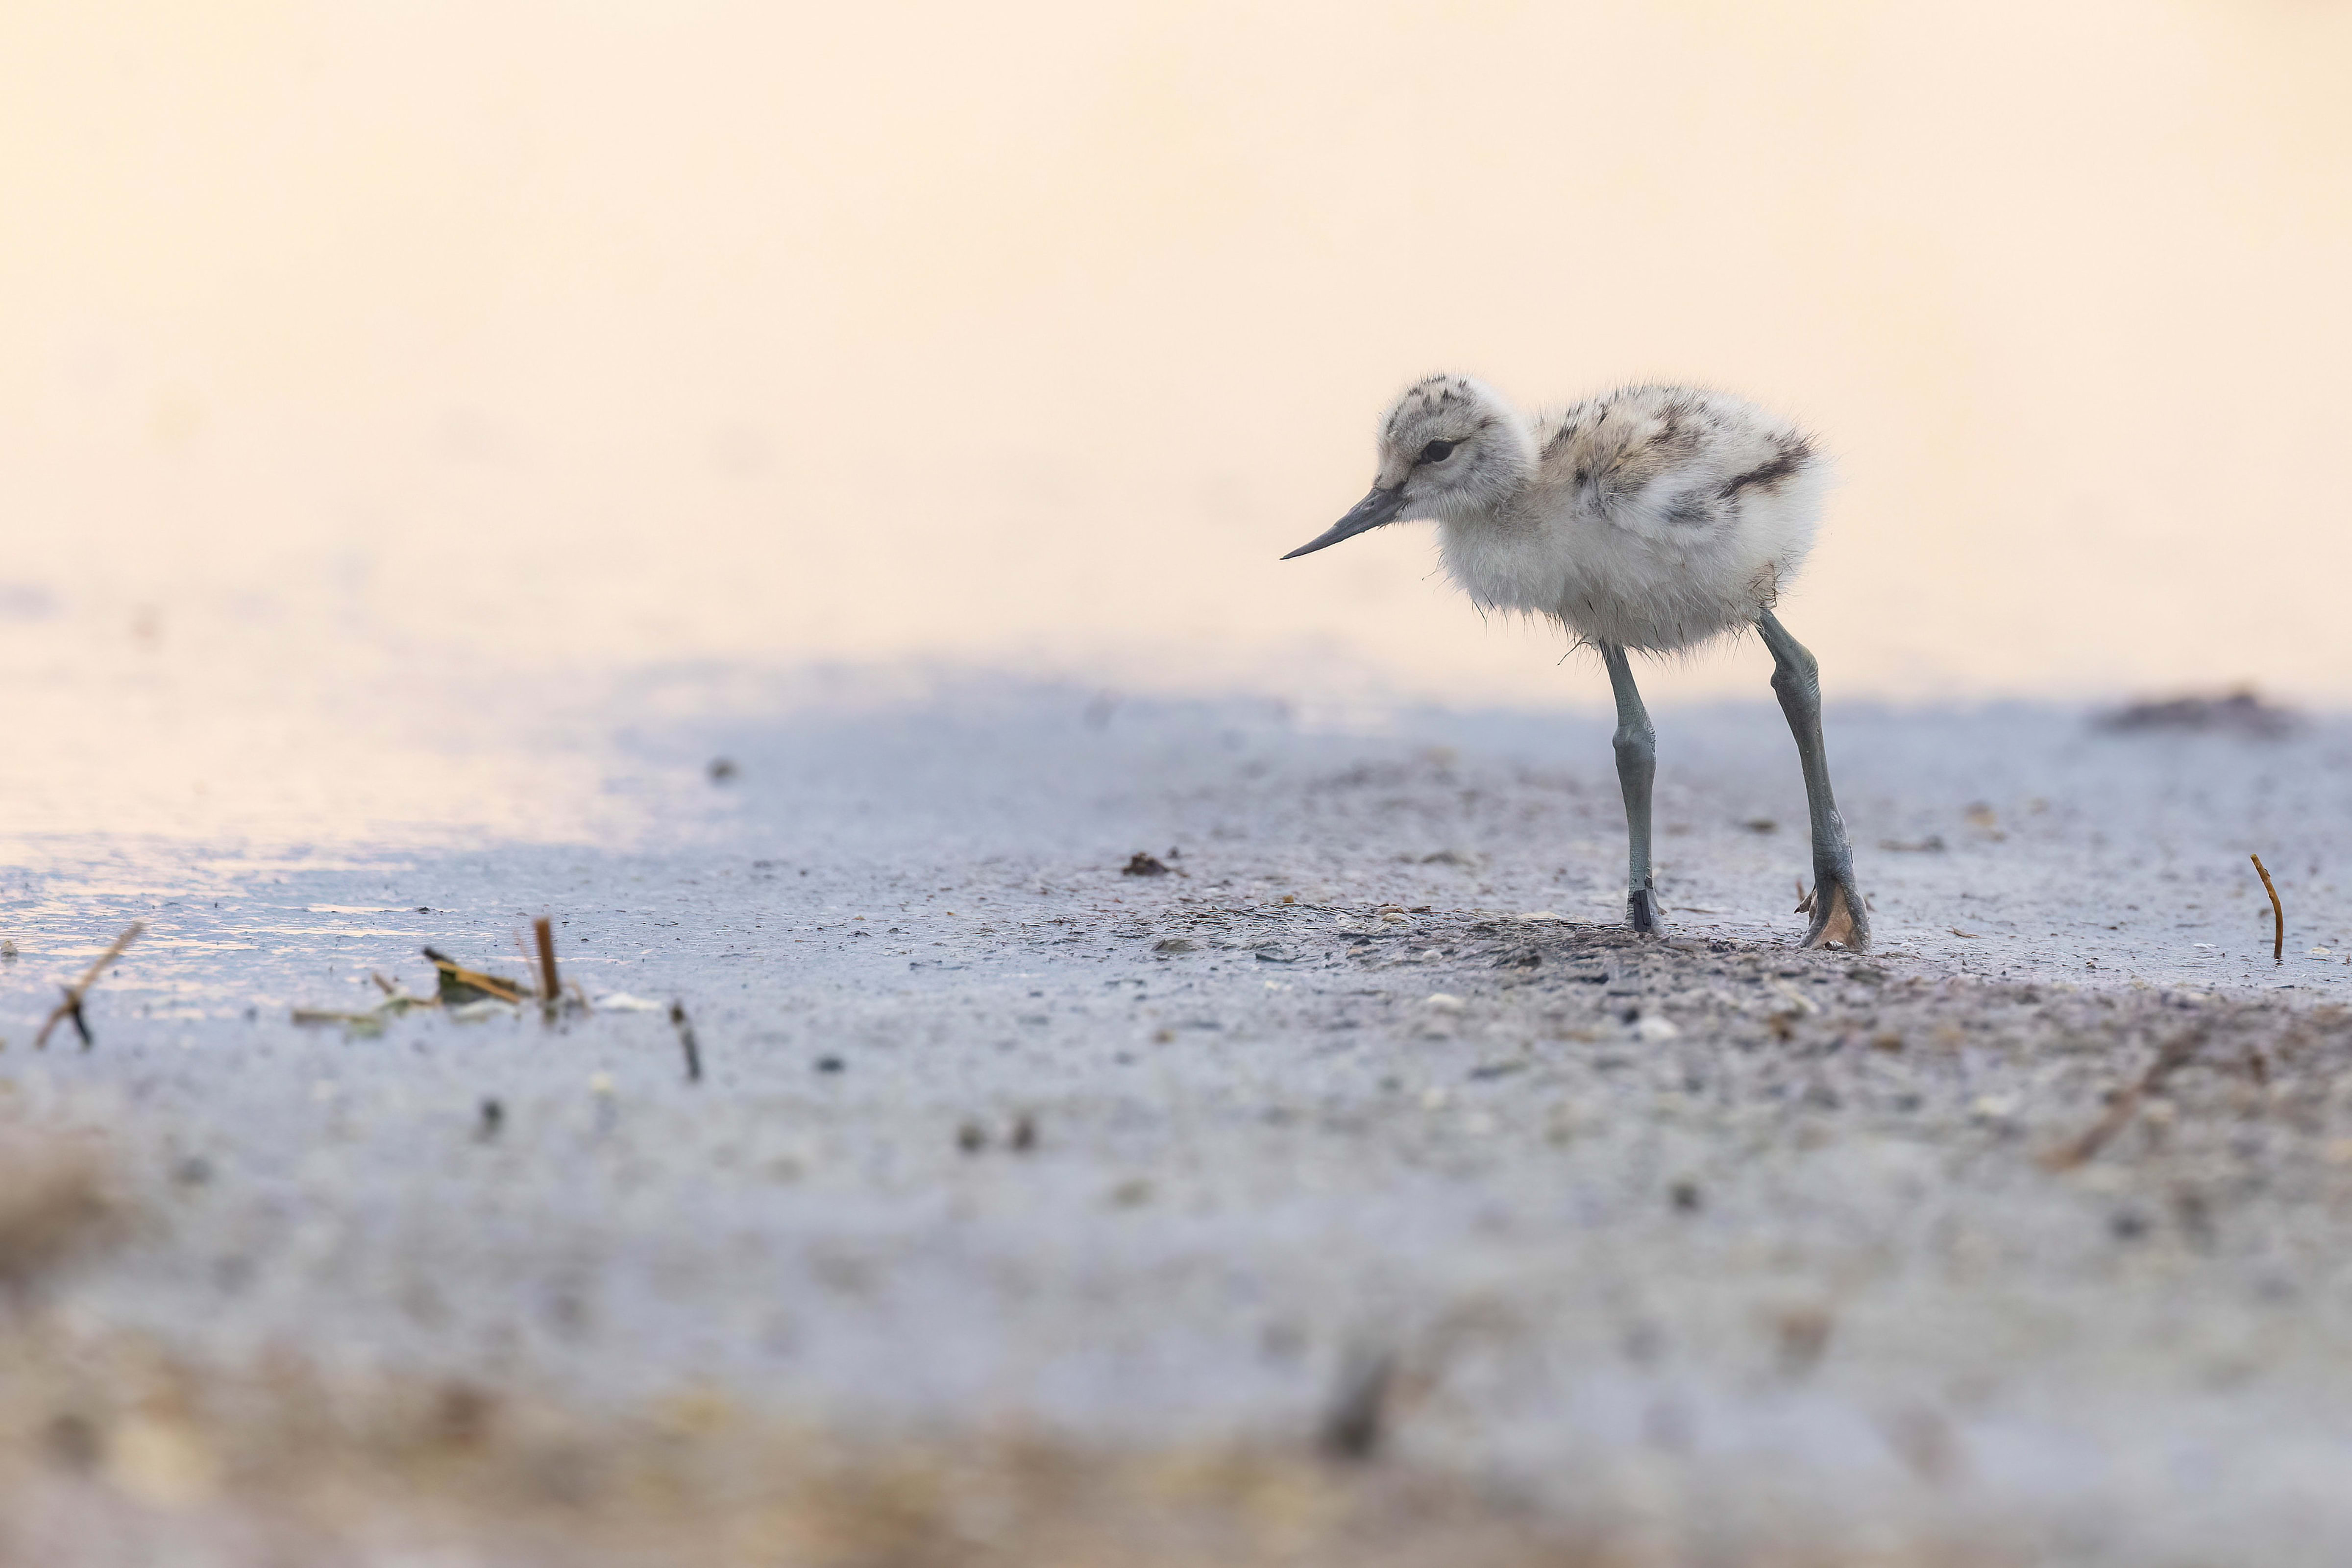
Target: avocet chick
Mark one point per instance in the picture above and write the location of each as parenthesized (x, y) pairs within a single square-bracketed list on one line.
[(1647, 519)]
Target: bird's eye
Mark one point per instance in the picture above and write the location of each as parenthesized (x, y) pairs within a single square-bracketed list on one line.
[(1437, 452)]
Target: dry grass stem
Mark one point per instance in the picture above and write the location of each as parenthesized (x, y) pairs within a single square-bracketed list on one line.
[(459, 985), (551, 991), (368, 1020), (328, 1015), (71, 1007)]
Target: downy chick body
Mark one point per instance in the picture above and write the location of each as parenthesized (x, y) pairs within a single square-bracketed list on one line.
[(1651, 518)]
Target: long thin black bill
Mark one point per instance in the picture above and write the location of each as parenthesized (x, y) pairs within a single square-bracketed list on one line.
[(1379, 506)]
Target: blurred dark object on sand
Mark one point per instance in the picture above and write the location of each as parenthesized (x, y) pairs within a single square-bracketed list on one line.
[(2240, 713)]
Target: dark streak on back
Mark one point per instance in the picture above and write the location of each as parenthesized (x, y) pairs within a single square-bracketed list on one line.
[(1792, 456), (1689, 511)]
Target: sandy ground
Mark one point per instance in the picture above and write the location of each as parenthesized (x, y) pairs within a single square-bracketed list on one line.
[(2019, 1239)]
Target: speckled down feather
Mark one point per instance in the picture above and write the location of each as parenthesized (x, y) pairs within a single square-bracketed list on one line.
[(1654, 518)]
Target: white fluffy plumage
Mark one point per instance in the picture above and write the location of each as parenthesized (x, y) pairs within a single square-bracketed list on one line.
[(1651, 517)]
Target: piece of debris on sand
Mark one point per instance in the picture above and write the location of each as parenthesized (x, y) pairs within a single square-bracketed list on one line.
[(2241, 712), (58, 1200), (1354, 1423), (1933, 844), (1143, 864), (622, 1003), (459, 985), (2174, 1054), (686, 1042)]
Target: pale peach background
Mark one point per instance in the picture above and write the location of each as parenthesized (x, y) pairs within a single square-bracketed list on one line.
[(1029, 334)]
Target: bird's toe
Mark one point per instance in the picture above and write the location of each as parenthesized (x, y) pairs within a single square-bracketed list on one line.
[(1642, 911), (1839, 914)]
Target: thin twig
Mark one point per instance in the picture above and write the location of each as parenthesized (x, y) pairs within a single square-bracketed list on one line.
[(685, 1042), (2174, 1054), (71, 1007), (2278, 912)]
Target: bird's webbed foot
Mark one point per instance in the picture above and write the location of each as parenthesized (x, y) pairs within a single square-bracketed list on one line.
[(1642, 911), (1836, 904)]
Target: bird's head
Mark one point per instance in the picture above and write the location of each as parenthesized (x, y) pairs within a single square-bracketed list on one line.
[(1451, 449)]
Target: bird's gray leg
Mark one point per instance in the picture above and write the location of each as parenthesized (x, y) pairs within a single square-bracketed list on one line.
[(1637, 765), (1836, 904)]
